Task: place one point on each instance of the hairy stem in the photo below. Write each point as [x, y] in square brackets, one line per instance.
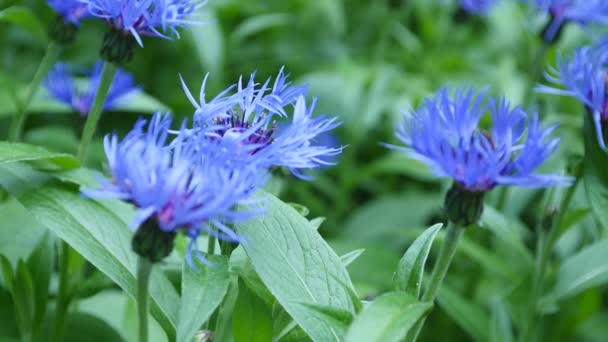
[144, 268]
[107, 75]
[63, 295]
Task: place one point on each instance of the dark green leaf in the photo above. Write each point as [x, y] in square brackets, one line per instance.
[588, 268]
[103, 239]
[24, 17]
[40, 264]
[388, 318]
[594, 173]
[252, 318]
[409, 273]
[296, 265]
[468, 315]
[203, 289]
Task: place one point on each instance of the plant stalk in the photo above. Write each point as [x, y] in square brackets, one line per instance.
[63, 295]
[444, 260]
[107, 75]
[544, 248]
[144, 268]
[15, 130]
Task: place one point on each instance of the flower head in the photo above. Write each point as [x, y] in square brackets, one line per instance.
[157, 18]
[583, 76]
[583, 12]
[71, 10]
[254, 121]
[445, 133]
[163, 181]
[64, 87]
[478, 7]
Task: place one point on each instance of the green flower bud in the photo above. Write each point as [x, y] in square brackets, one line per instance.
[117, 47]
[151, 242]
[62, 32]
[463, 207]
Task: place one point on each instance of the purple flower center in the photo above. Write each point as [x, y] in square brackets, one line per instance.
[235, 125]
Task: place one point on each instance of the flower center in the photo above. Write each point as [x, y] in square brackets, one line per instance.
[235, 126]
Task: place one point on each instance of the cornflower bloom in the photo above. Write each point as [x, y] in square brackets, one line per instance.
[71, 11]
[64, 87]
[583, 12]
[444, 133]
[172, 192]
[583, 76]
[478, 7]
[157, 18]
[250, 120]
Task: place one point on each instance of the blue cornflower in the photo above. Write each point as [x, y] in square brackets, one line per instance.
[250, 121]
[584, 77]
[170, 190]
[583, 12]
[64, 87]
[445, 133]
[158, 18]
[71, 10]
[478, 7]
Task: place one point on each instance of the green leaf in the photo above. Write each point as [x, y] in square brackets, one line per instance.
[296, 265]
[202, 292]
[18, 152]
[409, 273]
[586, 269]
[252, 318]
[594, 173]
[24, 17]
[84, 327]
[103, 238]
[19, 233]
[388, 318]
[208, 40]
[469, 316]
[500, 329]
[40, 264]
[351, 256]
[339, 319]
[254, 25]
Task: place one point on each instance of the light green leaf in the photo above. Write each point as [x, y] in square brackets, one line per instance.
[103, 238]
[594, 173]
[500, 329]
[256, 24]
[296, 265]
[202, 292]
[351, 256]
[24, 17]
[252, 318]
[19, 233]
[388, 318]
[18, 152]
[586, 269]
[208, 40]
[409, 273]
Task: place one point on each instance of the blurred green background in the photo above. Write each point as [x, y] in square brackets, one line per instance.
[366, 61]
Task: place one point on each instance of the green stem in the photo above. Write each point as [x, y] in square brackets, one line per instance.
[544, 248]
[50, 57]
[444, 260]
[107, 75]
[144, 268]
[63, 296]
[211, 244]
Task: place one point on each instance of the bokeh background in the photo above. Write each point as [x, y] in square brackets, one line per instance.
[366, 61]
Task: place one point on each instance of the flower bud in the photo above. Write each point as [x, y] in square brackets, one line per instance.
[151, 242]
[463, 207]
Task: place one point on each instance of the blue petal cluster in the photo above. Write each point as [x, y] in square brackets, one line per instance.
[445, 133]
[582, 12]
[158, 18]
[583, 76]
[252, 120]
[71, 10]
[62, 84]
[180, 187]
[478, 7]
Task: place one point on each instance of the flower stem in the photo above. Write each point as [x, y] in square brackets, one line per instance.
[63, 295]
[107, 75]
[16, 128]
[444, 260]
[544, 247]
[211, 244]
[144, 268]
